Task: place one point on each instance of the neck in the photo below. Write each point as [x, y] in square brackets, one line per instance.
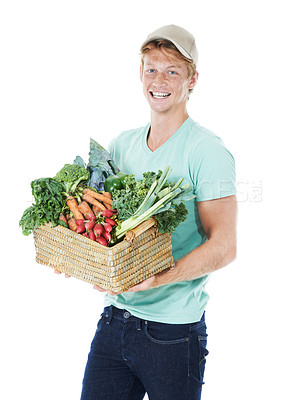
[163, 126]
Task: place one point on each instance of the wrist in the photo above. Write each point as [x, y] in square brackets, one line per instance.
[165, 277]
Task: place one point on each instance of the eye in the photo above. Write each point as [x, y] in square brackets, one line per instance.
[172, 72]
[150, 70]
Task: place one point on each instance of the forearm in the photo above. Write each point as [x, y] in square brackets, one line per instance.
[209, 257]
[218, 219]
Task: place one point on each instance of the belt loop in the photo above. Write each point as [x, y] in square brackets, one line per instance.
[110, 315]
[138, 324]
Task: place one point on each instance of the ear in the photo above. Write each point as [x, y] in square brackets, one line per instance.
[141, 73]
[193, 81]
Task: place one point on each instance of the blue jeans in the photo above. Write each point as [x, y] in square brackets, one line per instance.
[130, 357]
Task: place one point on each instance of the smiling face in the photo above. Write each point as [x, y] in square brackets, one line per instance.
[166, 81]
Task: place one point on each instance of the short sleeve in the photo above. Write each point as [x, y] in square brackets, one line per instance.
[111, 147]
[214, 174]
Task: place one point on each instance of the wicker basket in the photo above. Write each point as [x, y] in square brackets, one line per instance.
[143, 253]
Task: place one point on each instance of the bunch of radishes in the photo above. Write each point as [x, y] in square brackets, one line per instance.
[98, 228]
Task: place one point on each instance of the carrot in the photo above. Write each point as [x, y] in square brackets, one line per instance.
[85, 209]
[73, 206]
[107, 205]
[72, 224]
[93, 201]
[107, 194]
[62, 218]
[96, 210]
[98, 196]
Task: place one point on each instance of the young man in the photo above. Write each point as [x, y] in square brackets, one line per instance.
[152, 338]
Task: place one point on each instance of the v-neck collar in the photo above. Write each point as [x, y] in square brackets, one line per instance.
[173, 137]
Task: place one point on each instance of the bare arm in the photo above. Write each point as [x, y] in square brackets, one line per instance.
[218, 218]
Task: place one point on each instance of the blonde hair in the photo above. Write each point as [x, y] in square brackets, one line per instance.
[172, 52]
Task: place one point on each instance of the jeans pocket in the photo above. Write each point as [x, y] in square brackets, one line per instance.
[100, 325]
[197, 355]
[203, 352]
[101, 321]
[161, 333]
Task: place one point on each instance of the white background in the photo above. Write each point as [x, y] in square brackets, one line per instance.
[70, 71]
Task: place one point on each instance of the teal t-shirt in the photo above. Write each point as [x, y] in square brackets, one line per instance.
[200, 157]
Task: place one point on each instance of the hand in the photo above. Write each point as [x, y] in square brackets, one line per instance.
[144, 285]
[159, 279]
[59, 272]
[110, 292]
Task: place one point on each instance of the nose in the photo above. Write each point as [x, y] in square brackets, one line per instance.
[159, 80]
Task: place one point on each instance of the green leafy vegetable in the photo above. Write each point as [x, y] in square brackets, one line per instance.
[127, 200]
[79, 161]
[169, 220]
[48, 205]
[101, 165]
[153, 196]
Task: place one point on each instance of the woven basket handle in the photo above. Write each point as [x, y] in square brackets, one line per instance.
[144, 226]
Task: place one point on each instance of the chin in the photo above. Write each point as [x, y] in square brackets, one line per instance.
[159, 107]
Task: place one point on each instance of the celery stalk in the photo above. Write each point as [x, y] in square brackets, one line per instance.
[132, 222]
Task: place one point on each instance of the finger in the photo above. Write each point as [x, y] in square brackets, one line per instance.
[67, 276]
[135, 288]
[99, 288]
[112, 293]
[56, 271]
[144, 285]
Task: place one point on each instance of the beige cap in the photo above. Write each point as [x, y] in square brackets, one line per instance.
[180, 37]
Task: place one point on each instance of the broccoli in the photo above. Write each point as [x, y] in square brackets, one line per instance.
[70, 176]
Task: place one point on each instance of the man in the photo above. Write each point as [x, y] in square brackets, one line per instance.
[152, 338]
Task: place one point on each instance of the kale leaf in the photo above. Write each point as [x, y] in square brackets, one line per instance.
[127, 200]
[167, 221]
[48, 205]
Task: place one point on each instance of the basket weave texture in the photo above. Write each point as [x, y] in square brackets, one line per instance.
[116, 268]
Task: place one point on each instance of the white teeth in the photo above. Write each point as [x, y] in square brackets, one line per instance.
[160, 95]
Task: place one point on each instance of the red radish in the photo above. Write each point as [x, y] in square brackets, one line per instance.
[98, 229]
[91, 217]
[107, 213]
[80, 229]
[110, 221]
[107, 236]
[80, 222]
[85, 234]
[101, 240]
[108, 227]
[92, 235]
[89, 225]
